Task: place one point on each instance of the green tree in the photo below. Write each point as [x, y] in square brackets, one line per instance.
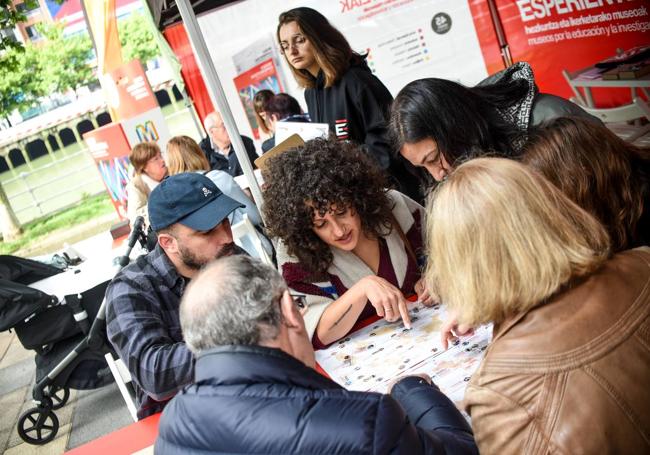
[29, 72]
[64, 60]
[12, 79]
[136, 38]
[56, 64]
[9, 17]
[20, 80]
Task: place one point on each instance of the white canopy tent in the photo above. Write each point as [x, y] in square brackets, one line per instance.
[214, 87]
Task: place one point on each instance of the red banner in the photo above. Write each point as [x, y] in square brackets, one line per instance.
[553, 35]
[177, 38]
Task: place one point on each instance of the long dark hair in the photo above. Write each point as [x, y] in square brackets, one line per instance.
[464, 122]
[259, 100]
[332, 51]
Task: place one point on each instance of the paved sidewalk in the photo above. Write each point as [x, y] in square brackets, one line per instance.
[88, 414]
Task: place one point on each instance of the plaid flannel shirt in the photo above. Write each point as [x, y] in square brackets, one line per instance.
[143, 324]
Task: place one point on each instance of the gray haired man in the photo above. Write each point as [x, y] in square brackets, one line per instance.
[256, 390]
[218, 148]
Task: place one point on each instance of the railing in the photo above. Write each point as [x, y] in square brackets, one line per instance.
[33, 196]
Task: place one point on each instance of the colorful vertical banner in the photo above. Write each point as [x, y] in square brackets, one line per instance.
[103, 25]
[110, 149]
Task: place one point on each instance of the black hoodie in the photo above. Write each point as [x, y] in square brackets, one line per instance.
[357, 108]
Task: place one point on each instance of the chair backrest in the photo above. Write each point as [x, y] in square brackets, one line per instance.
[638, 108]
[123, 379]
[246, 236]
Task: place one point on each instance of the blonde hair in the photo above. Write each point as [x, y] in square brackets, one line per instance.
[141, 154]
[185, 155]
[501, 239]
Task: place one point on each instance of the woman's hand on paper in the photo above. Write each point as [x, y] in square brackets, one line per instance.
[451, 329]
[425, 296]
[388, 301]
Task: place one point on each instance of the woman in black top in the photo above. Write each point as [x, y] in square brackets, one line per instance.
[339, 87]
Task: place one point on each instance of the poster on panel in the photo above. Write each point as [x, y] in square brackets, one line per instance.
[149, 126]
[404, 40]
[129, 92]
[262, 76]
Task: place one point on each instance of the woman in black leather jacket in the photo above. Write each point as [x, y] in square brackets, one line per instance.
[437, 124]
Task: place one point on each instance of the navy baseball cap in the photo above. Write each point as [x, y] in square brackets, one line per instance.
[190, 199]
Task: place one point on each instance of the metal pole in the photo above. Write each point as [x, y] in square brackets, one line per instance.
[215, 89]
[37, 204]
[501, 35]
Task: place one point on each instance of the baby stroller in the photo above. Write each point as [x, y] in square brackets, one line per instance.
[66, 329]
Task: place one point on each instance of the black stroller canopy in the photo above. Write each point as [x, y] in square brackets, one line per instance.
[17, 300]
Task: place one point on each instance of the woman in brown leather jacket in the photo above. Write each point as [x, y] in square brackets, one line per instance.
[569, 365]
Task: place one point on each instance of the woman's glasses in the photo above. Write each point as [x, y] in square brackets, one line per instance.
[295, 42]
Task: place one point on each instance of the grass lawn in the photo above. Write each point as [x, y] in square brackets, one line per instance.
[88, 209]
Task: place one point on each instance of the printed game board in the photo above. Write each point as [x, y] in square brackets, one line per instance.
[369, 359]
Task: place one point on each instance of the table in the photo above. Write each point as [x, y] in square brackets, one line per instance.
[591, 76]
[77, 279]
[243, 182]
[371, 358]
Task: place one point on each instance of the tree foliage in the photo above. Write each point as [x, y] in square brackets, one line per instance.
[20, 80]
[137, 39]
[9, 17]
[64, 60]
[55, 64]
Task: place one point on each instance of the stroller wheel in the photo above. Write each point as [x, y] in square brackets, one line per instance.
[59, 396]
[38, 426]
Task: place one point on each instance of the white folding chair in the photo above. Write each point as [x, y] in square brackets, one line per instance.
[124, 383]
[244, 233]
[634, 110]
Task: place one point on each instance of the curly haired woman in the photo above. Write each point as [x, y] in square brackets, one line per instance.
[346, 241]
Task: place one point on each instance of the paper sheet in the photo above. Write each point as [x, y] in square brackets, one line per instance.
[369, 359]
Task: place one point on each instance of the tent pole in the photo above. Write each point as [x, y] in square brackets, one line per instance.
[215, 89]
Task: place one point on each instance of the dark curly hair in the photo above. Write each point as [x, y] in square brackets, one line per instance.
[323, 172]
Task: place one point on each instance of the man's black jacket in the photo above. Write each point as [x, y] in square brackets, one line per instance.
[229, 164]
[251, 399]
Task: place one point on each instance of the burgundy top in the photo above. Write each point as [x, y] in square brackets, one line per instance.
[387, 272]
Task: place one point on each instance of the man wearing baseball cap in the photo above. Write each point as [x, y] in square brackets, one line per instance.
[190, 217]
